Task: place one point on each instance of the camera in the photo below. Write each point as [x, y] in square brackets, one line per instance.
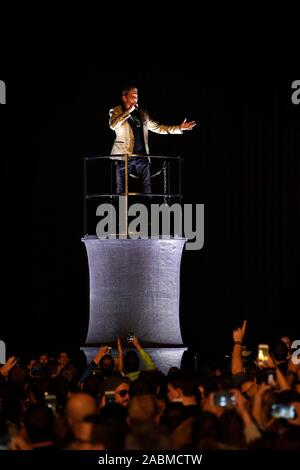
[283, 411]
[109, 397]
[223, 399]
[130, 337]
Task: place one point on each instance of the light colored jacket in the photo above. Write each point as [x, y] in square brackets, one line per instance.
[124, 141]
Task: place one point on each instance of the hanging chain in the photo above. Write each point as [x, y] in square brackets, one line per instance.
[165, 181]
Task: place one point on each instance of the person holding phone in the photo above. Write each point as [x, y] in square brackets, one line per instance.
[131, 359]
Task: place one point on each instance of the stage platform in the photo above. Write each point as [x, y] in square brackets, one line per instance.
[134, 286]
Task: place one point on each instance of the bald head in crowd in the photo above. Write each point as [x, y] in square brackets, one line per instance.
[79, 406]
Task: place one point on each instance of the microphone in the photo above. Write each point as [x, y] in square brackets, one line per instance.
[134, 107]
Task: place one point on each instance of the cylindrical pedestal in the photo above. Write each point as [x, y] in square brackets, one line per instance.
[134, 286]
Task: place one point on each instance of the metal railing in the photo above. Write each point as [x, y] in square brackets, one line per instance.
[167, 195]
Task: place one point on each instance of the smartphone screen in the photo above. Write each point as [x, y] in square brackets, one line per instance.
[224, 399]
[269, 376]
[263, 354]
[130, 337]
[283, 411]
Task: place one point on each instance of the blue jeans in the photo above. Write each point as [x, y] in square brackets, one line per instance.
[141, 166]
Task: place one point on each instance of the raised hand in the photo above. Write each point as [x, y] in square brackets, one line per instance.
[119, 361]
[187, 126]
[262, 389]
[239, 333]
[102, 351]
[270, 362]
[136, 343]
[10, 363]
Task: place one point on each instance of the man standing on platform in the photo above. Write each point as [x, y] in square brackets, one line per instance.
[131, 125]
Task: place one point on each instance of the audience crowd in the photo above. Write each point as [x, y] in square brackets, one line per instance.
[249, 400]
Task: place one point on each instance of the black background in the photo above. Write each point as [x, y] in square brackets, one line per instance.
[242, 161]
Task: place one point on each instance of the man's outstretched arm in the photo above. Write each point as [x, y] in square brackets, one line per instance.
[165, 129]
